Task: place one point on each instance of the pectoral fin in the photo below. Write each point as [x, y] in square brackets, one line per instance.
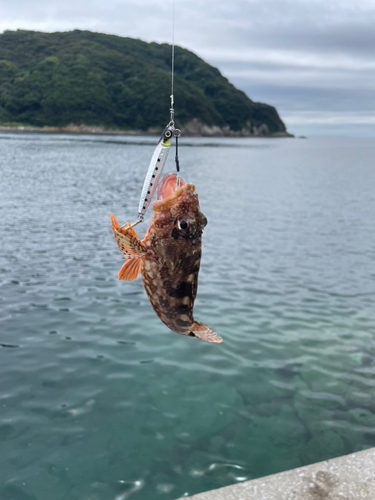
[130, 270]
[204, 333]
[127, 239]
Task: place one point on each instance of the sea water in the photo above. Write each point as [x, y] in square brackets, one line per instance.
[100, 401]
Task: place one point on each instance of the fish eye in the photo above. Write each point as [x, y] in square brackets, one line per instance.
[183, 225]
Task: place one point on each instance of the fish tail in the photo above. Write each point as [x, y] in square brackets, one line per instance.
[203, 332]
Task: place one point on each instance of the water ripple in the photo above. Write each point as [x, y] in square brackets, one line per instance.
[101, 400]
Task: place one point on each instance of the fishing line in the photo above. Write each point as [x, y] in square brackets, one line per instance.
[172, 85]
[161, 152]
[176, 158]
[176, 131]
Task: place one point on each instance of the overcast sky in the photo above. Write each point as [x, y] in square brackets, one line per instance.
[312, 59]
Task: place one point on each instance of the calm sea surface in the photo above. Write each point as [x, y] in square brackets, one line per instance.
[100, 401]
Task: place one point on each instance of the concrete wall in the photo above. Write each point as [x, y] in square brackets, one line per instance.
[351, 477]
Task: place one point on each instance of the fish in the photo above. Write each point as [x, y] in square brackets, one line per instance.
[169, 256]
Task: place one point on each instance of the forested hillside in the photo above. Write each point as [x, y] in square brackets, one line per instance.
[90, 78]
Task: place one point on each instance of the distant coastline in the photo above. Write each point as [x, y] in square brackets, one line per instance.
[192, 129]
[93, 83]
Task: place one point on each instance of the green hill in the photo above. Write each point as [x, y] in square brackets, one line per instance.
[81, 77]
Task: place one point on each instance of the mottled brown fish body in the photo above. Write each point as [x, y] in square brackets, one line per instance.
[170, 270]
[169, 260]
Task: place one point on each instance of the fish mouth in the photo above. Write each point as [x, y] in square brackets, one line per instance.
[169, 192]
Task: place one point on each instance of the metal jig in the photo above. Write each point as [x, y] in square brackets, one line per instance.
[160, 155]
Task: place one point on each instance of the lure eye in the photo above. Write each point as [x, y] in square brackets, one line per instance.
[183, 225]
[168, 134]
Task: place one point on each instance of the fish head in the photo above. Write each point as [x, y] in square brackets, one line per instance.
[178, 223]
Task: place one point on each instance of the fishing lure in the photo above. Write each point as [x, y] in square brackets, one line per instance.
[155, 170]
[160, 155]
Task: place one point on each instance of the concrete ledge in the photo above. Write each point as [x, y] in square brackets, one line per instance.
[351, 477]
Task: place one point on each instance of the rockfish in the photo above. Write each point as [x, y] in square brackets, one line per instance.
[169, 257]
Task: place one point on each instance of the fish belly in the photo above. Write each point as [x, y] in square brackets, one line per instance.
[171, 300]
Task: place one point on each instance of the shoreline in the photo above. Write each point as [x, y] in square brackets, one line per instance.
[192, 129]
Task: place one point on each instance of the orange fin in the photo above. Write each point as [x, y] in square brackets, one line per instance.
[128, 240]
[130, 270]
[204, 333]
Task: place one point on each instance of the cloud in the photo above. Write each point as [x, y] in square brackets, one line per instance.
[305, 56]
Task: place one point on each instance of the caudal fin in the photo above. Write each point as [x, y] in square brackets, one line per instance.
[204, 333]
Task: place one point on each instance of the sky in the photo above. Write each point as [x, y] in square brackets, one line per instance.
[314, 60]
